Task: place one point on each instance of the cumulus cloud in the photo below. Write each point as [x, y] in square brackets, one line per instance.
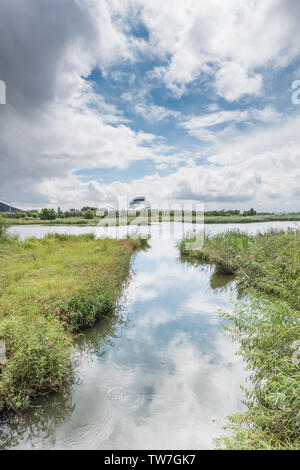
[205, 126]
[155, 113]
[259, 169]
[57, 121]
[233, 81]
[227, 42]
[54, 124]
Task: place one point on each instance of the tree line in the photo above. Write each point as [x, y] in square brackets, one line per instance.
[87, 212]
[52, 214]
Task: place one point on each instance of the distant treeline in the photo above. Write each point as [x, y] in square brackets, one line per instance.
[91, 213]
[51, 214]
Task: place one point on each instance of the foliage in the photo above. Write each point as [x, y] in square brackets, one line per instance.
[48, 214]
[2, 229]
[89, 214]
[267, 270]
[80, 217]
[268, 261]
[250, 213]
[267, 330]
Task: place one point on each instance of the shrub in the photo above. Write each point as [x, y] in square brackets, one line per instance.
[48, 214]
[38, 355]
[88, 214]
[267, 330]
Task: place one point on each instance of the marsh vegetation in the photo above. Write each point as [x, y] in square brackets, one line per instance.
[88, 216]
[49, 290]
[266, 323]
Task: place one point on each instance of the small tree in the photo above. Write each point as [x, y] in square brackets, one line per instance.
[89, 214]
[250, 212]
[48, 214]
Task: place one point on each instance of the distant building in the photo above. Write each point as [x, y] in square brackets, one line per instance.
[139, 204]
[5, 207]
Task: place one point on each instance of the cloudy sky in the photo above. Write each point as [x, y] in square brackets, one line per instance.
[175, 100]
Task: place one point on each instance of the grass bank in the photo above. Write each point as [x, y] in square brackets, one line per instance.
[252, 219]
[229, 219]
[49, 290]
[267, 325]
[67, 221]
[78, 221]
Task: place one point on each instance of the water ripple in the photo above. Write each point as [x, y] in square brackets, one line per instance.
[124, 397]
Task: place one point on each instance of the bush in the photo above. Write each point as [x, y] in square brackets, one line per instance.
[267, 330]
[38, 354]
[89, 214]
[48, 214]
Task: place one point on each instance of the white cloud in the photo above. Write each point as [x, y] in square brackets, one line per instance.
[258, 169]
[213, 119]
[201, 126]
[154, 113]
[233, 81]
[54, 124]
[224, 41]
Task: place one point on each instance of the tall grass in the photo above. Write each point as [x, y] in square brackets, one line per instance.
[142, 220]
[49, 290]
[267, 261]
[267, 270]
[267, 329]
[3, 229]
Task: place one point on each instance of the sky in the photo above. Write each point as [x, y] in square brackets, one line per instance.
[178, 101]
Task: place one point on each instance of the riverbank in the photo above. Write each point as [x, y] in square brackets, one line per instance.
[266, 323]
[49, 290]
[240, 219]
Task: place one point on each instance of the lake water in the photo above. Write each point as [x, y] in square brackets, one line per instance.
[159, 374]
